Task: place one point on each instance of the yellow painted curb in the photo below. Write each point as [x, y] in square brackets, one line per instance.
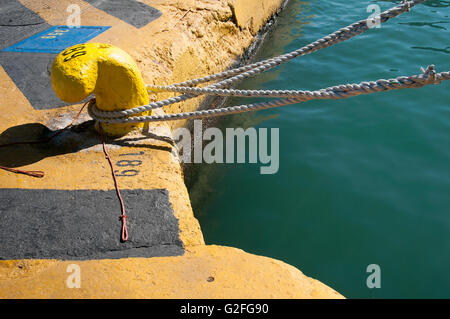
[203, 272]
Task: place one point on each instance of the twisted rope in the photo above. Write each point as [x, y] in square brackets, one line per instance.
[347, 89]
[429, 76]
[238, 74]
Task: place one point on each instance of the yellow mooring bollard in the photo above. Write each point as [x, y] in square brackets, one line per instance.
[105, 70]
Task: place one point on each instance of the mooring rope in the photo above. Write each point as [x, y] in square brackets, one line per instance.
[292, 97]
[334, 92]
[251, 70]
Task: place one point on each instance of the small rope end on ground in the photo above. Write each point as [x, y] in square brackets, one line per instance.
[123, 217]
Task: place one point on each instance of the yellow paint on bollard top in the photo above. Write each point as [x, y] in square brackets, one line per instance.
[106, 71]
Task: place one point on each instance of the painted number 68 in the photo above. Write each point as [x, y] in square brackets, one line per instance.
[73, 53]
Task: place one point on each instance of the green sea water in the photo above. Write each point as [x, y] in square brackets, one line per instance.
[361, 181]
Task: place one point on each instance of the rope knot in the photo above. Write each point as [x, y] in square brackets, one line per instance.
[124, 231]
[407, 4]
[430, 74]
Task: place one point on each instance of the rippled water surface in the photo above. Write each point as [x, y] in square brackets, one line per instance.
[362, 181]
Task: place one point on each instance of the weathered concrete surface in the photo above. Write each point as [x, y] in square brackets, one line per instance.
[191, 38]
[203, 272]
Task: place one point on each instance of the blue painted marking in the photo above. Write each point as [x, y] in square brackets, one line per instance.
[56, 39]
